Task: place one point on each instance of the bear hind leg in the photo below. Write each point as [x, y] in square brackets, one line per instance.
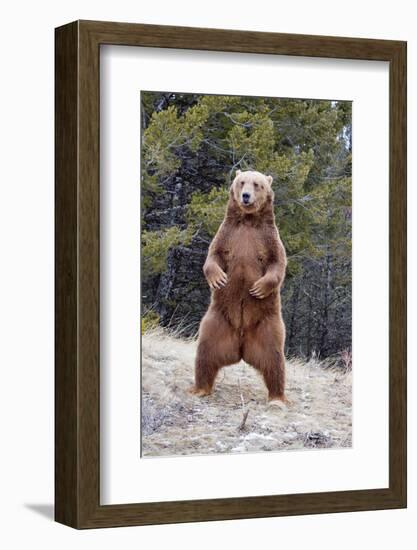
[218, 346]
[273, 373]
[264, 350]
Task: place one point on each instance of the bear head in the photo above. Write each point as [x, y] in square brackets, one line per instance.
[251, 190]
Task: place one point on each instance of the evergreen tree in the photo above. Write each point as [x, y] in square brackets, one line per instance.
[191, 147]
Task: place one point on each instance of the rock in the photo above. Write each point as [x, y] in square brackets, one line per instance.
[317, 440]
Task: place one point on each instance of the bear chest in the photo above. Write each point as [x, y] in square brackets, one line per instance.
[245, 248]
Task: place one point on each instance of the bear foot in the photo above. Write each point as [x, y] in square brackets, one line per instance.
[281, 399]
[199, 392]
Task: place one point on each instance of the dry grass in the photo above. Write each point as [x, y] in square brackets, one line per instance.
[177, 423]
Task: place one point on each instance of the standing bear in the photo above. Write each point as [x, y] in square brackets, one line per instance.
[245, 268]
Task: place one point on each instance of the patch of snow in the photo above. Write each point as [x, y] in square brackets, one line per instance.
[253, 435]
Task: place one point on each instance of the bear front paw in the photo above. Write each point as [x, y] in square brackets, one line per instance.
[261, 289]
[216, 277]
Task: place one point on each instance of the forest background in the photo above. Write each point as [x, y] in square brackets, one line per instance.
[191, 147]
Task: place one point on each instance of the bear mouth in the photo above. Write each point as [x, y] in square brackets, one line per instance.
[248, 206]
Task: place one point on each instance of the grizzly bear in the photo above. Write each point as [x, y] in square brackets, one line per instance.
[245, 268]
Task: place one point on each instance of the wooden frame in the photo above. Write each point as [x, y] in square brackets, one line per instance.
[77, 406]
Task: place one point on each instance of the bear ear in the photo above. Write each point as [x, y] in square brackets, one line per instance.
[238, 172]
[270, 179]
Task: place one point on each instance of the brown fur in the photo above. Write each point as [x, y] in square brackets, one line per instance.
[245, 268]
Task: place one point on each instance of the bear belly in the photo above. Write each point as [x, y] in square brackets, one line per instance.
[241, 309]
[243, 275]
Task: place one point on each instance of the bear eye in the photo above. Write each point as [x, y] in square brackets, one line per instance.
[242, 183]
[256, 185]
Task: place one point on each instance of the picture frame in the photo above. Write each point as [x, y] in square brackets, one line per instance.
[77, 272]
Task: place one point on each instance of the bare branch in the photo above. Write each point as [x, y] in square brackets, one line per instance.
[245, 412]
[242, 424]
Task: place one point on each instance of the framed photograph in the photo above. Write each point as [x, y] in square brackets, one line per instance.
[230, 274]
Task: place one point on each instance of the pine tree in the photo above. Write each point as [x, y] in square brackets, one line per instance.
[191, 147]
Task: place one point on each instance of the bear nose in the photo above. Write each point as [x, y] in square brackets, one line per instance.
[245, 197]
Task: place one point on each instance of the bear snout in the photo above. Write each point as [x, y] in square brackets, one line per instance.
[246, 198]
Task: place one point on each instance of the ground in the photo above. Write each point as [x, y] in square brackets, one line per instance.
[237, 417]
